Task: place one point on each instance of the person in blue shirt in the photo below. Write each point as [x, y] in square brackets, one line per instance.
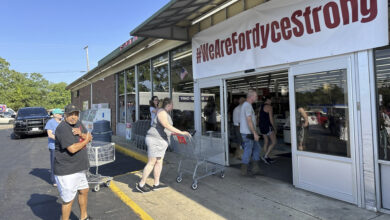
[50, 127]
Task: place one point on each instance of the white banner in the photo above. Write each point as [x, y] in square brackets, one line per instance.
[281, 31]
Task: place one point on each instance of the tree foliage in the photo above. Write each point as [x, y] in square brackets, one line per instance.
[19, 90]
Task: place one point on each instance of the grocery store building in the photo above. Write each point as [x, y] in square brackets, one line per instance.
[330, 58]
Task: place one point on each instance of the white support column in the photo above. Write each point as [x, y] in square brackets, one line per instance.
[197, 108]
[366, 103]
[136, 93]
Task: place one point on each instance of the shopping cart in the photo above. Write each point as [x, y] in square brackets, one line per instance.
[195, 158]
[99, 153]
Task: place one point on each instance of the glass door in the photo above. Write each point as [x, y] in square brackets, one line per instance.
[382, 78]
[322, 147]
[211, 127]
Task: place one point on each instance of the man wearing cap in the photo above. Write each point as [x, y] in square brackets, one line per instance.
[71, 162]
[50, 128]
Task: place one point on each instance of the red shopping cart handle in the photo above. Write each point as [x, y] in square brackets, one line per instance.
[180, 138]
[192, 133]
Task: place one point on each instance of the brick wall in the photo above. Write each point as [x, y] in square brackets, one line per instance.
[103, 92]
[84, 95]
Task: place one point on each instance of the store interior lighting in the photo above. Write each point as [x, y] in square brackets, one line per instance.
[165, 61]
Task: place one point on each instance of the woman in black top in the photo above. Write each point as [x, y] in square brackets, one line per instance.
[267, 128]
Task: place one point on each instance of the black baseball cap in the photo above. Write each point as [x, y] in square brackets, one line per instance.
[71, 108]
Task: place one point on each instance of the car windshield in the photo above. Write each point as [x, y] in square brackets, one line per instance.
[32, 112]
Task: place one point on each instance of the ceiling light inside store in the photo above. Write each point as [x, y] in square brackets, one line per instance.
[223, 6]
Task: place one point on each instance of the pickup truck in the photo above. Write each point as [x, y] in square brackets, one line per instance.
[30, 120]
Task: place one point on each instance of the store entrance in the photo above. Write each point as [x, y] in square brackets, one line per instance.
[275, 86]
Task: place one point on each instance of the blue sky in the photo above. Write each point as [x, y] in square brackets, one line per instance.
[48, 37]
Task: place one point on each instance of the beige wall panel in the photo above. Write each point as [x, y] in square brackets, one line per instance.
[219, 16]
[192, 30]
[253, 3]
[235, 9]
[206, 23]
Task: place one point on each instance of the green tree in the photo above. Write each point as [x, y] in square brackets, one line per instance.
[26, 90]
[58, 96]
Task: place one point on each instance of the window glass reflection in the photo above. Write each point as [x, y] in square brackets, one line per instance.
[322, 113]
[160, 77]
[211, 111]
[182, 88]
[121, 98]
[130, 105]
[145, 90]
[382, 73]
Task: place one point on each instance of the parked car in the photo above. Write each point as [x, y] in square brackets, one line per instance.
[322, 119]
[6, 118]
[313, 120]
[11, 112]
[30, 120]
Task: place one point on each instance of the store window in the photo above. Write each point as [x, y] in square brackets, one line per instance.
[382, 74]
[130, 87]
[182, 88]
[145, 90]
[211, 111]
[322, 113]
[160, 76]
[121, 98]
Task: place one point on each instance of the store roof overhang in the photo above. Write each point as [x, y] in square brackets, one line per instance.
[123, 52]
[164, 23]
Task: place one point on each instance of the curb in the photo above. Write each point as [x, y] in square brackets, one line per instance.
[115, 189]
[137, 210]
[131, 153]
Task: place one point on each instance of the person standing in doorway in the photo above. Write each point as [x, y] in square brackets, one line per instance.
[122, 110]
[267, 129]
[249, 135]
[50, 128]
[157, 140]
[302, 127]
[211, 114]
[153, 108]
[71, 162]
[130, 114]
[236, 124]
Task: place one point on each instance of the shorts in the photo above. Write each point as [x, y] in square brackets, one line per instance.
[68, 185]
[156, 146]
[266, 131]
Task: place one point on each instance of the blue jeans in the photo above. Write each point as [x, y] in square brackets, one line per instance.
[52, 166]
[251, 148]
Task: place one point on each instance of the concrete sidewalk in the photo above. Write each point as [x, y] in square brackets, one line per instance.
[234, 197]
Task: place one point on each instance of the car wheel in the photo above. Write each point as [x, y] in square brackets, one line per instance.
[15, 136]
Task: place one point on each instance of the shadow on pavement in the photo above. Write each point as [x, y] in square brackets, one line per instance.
[122, 165]
[46, 207]
[42, 173]
[280, 170]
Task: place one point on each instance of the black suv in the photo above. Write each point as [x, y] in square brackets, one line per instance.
[30, 120]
